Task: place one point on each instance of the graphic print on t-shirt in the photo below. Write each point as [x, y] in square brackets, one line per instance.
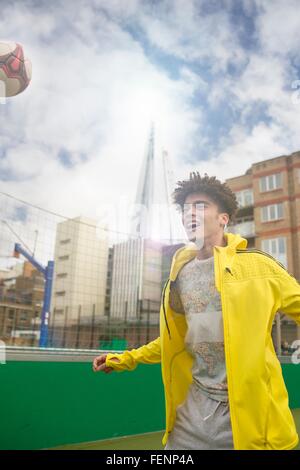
[195, 295]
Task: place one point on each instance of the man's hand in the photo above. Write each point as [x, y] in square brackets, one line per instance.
[99, 364]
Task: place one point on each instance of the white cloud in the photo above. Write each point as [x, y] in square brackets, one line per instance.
[95, 89]
[278, 26]
[93, 93]
[179, 28]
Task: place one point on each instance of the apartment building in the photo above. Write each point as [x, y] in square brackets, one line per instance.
[269, 217]
[80, 272]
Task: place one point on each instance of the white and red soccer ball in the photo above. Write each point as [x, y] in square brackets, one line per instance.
[15, 69]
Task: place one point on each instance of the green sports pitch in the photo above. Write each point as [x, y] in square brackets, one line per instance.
[148, 441]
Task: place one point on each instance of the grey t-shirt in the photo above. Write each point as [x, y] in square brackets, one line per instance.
[195, 295]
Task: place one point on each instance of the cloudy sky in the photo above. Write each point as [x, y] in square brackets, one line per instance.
[218, 78]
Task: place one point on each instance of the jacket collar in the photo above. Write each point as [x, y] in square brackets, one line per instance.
[189, 251]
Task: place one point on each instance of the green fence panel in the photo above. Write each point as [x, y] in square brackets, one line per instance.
[47, 404]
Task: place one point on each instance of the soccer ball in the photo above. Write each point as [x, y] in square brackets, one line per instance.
[15, 70]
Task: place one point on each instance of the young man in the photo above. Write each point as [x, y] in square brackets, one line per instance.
[223, 382]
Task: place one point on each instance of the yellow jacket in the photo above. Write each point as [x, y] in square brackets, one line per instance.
[253, 286]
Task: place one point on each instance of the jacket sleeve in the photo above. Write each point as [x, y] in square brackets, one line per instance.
[128, 360]
[290, 296]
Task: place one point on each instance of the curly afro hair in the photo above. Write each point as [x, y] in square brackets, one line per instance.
[218, 192]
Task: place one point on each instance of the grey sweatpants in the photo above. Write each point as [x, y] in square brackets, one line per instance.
[201, 423]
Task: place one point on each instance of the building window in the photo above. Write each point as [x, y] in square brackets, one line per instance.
[245, 197]
[60, 293]
[64, 242]
[272, 212]
[23, 316]
[277, 248]
[270, 182]
[63, 258]
[62, 275]
[11, 314]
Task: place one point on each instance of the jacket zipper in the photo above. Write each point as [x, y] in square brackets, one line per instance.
[171, 364]
[163, 302]
[226, 352]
